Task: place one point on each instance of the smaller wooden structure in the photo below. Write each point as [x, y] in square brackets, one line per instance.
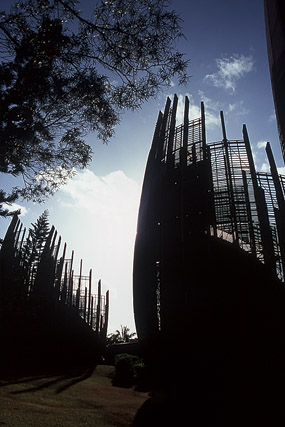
[48, 305]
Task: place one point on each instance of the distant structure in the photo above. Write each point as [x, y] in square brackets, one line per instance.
[48, 307]
[210, 229]
[275, 35]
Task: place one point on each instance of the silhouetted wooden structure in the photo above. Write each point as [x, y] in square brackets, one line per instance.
[209, 267]
[274, 11]
[48, 302]
[194, 190]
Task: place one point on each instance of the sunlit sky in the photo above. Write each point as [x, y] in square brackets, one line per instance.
[96, 212]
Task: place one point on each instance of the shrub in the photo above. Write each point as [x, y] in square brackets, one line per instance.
[128, 370]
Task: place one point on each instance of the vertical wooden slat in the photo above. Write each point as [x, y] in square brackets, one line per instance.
[172, 130]
[98, 309]
[85, 305]
[89, 296]
[262, 211]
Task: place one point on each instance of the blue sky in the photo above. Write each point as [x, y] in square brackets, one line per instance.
[96, 212]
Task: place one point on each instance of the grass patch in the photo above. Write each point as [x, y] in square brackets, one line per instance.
[83, 398]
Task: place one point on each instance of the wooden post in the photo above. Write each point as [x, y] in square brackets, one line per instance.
[262, 211]
[89, 296]
[53, 242]
[92, 310]
[249, 216]
[70, 289]
[17, 237]
[79, 287]
[85, 304]
[172, 131]
[22, 240]
[186, 124]
[71, 262]
[107, 311]
[280, 212]
[161, 147]
[230, 183]
[98, 311]
[106, 317]
[59, 273]
[203, 131]
[64, 286]
[57, 248]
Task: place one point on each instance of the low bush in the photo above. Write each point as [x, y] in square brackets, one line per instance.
[129, 371]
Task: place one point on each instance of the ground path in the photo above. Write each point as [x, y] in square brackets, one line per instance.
[81, 399]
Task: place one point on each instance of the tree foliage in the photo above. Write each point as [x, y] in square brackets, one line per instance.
[34, 245]
[65, 73]
[6, 200]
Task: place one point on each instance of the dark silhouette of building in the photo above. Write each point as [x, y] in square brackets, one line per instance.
[275, 35]
[208, 274]
[197, 192]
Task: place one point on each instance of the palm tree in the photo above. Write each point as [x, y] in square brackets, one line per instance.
[122, 336]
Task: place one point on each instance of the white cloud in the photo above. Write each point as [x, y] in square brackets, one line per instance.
[272, 117]
[99, 221]
[232, 107]
[237, 108]
[15, 207]
[265, 167]
[107, 196]
[259, 156]
[261, 144]
[281, 170]
[194, 112]
[230, 70]
[211, 109]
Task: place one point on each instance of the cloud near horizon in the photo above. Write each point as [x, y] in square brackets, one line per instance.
[230, 70]
[100, 217]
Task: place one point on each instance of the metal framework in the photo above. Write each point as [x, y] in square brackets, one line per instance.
[196, 193]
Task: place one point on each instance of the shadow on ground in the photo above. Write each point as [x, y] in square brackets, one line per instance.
[50, 379]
